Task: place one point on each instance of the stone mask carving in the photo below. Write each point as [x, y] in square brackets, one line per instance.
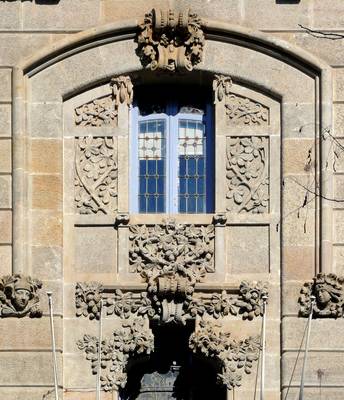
[328, 292]
[18, 296]
[170, 41]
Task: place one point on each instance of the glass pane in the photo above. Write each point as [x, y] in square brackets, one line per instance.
[192, 161]
[152, 155]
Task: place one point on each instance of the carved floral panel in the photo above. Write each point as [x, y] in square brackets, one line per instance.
[96, 174]
[247, 173]
[244, 111]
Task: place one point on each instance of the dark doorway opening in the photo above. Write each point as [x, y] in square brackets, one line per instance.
[173, 371]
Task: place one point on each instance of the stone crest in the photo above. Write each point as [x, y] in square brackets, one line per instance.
[19, 296]
[170, 40]
[329, 296]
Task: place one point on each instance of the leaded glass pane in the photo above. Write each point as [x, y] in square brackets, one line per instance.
[152, 174]
[192, 166]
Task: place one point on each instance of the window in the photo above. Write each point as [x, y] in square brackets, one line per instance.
[172, 158]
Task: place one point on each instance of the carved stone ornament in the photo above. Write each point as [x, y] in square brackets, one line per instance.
[170, 40]
[171, 298]
[96, 175]
[235, 357]
[19, 296]
[239, 110]
[132, 338]
[247, 174]
[104, 110]
[329, 296]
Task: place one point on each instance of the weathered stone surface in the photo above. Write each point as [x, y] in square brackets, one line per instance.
[248, 249]
[338, 260]
[5, 155]
[6, 260]
[47, 262]
[5, 191]
[5, 84]
[46, 156]
[46, 229]
[338, 81]
[326, 14]
[61, 16]
[338, 221]
[47, 192]
[338, 116]
[10, 15]
[5, 119]
[6, 226]
[46, 120]
[298, 262]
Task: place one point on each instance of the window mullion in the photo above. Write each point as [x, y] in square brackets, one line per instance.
[173, 201]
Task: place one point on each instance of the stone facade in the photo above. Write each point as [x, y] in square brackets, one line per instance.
[273, 72]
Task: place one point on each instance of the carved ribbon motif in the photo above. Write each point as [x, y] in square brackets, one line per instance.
[95, 175]
[170, 41]
[104, 110]
[19, 296]
[233, 356]
[329, 296]
[247, 174]
[132, 338]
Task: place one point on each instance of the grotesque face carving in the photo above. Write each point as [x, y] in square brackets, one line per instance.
[323, 295]
[21, 298]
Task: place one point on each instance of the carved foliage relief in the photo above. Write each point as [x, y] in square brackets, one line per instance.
[243, 111]
[104, 110]
[328, 291]
[95, 175]
[170, 40]
[130, 339]
[247, 174]
[19, 296]
[235, 357]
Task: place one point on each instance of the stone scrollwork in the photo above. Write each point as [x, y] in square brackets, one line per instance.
[170, 40]
[104, 110]
[132, 338]
[235, 357]
[222, 87]
[170, 247]
[328, 291]
[96, 174]
[247, 174]
[19, 296]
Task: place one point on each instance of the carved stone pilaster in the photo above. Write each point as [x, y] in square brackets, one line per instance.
[104, 110]
[328, 291]
[170, 40]
[131, 339]
[234, 357]
[19, 296]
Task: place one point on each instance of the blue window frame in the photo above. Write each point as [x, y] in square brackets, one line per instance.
[172, 160]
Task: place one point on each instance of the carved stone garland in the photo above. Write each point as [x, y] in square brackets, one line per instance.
[19, 296]
[247, 174]
[104, 110]
[170, 41]
[131, 339]
[96, 175]
[328, 290]
[210, 341]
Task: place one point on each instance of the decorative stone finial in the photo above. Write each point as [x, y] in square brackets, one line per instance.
[170, 41]
[19, 297]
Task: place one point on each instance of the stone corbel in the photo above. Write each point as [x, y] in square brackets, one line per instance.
[234, 357]
[19, 296]
[170, 41]
[107, 110]
[328, 291]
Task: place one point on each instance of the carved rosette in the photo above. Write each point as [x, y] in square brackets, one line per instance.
[104, 110]
[170, 41]
[247, 174]
[171, 297]
[96, 175]
[328, 291]
[19, 296]
[131, 339]
[234, 357]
